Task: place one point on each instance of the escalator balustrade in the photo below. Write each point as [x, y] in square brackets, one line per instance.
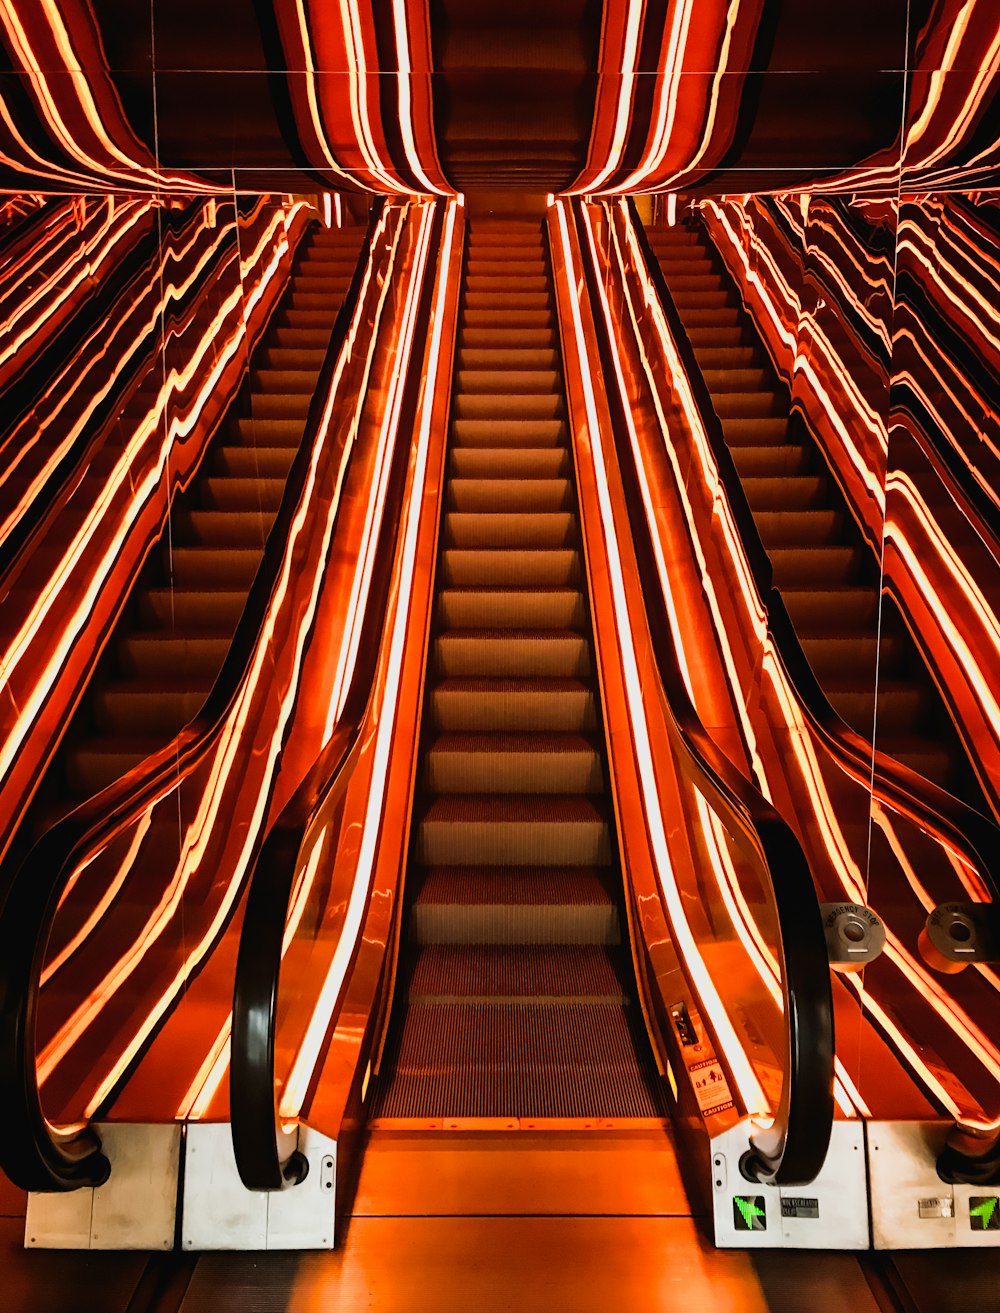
[827, 573]
[173, 635]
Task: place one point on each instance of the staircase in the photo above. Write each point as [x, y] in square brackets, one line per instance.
[516, 997]
[825, 569]
[172, 638]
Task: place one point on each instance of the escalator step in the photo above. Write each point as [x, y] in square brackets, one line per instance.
[503, 406]
[256, 462]
[544, 705]
[508, 496]
[148, 707]
[491, 974]
[515, 360]
[190, 608]
[510, 463]
[222, 528]
[808, 528]
[727, 358]
[517, 1061]
[280, 405]
[93, 766]
[514, 830]
[270, 431]
[506, 339]
[481, 905]
[226, 493]
[509, 432]
[511, 608]
[762, 404]
[155, 655]
[812, 608]
[534, 529]
[770, 462]
[498, 763]
[207, 567]
[510, 653]
[496, 567]
[817, 567]
[494, 382]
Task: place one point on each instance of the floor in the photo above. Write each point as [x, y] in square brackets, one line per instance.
[578, 1223]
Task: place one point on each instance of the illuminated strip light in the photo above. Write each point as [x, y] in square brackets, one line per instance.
[860, 407]
[959, 293]
[62, 282]
[366, 557]
[673, 76]
[986, 67]
[403, 73]
[309, 69]
[29, 61]
[741, 918]
[330, 991]
[96, 396]
[751, 1091]
[859, 306]
[120, 477]
[359, 78]
[61, 227]
[720, 507]
[964, 583]
[107, 898]
[191, 859]
[44, 169]
[919, 388]
[669, 87]
[626, 93]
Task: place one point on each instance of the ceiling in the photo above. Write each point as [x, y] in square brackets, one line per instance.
[431, 96]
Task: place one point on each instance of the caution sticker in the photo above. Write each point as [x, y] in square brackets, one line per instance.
[711, 1088]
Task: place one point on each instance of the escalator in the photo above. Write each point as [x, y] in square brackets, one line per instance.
[516, 997]
[827, 572]
[172, 638]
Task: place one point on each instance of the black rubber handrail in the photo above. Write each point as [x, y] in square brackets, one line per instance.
[252, 1085]
[32, 1154]
[133, 270]
[944, 816]
[939, 813]
[793, 1149]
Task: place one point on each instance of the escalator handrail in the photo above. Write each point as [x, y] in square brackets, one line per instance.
[31, 1153]
[794, 1148]
[252, 1084]
[946, 818]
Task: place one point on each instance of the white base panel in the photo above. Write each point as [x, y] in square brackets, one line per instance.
[912, 1208]
[829, 1213]
[135, 1209]
[221, 1213]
